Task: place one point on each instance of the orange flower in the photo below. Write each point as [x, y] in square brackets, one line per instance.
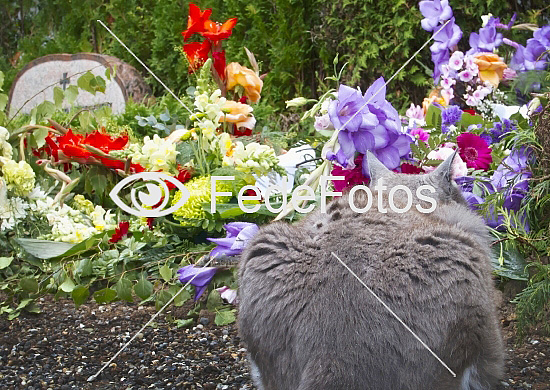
[197, 54]
[247, 78]
[217, 32]
[491, 67]
[238, 113]
[434, 96]
[195, 21]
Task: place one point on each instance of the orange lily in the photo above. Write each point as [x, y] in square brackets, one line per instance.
[196, 21]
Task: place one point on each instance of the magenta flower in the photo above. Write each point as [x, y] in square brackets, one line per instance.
[434, 12]
[474, 151]
[419, 133]
[199, 277]
[238, 236]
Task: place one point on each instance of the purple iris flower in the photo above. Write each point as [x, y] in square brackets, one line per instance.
[447, 38]
[488, 38]
[399, 146]
[200, 277]
[543, 35]
[434, 12]
[534, 55]
[451, 115]
[238, 236]
[349, 111]
[439, 59]
[513, 172]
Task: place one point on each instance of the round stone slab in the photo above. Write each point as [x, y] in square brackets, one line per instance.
[36, 81]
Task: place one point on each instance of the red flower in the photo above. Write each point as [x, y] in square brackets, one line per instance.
[410, 169]
[195, 21]
[150, 222]
[241, 131]
[470, 111]
[197, 54]
[352, 177]
[120, 232]
[219, 63]
[474, 151]
[217, 32]
[183, 177]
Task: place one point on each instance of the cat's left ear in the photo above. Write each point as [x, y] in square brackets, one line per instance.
[444, 170]
[376, 169]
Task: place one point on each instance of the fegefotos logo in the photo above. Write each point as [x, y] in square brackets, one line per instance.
[152, 202]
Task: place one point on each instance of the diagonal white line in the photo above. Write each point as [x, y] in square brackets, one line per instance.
[395, 315]
[91, 378]
[145, 66]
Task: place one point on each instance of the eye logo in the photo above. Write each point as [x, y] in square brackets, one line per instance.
[152, 197]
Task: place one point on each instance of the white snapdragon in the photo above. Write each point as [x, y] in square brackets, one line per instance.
[157, 154]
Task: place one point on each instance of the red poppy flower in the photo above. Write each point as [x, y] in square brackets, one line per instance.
[195, 21]
[410, 169]
[219, 63]
[197, 54]
[120, 232]
[474, 151]
[217, 32]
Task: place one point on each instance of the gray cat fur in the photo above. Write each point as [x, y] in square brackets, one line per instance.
[309, 324]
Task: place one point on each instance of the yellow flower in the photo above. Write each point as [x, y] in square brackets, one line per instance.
[200, 191]
[247, 78]
[238, 113]
[434, 96]
[491, 67]
[83, 204]
[19, 176]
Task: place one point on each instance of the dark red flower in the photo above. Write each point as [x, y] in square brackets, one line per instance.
[474, 151]
[242, 131]
[470, 111]
[183, 176]
[243, 99]
[411, 169]
[196, 21]
[219, 63]
[150, 222]
[352, 177]
[217, 32]
[120, 232]
[197, 54]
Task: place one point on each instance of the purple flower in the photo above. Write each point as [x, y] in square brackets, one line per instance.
[349, 112]
[543, 35]
[447, 38]
[513, 172]
[451, 115]
[534, 55]
[199, 277]
[238, 235]
[488, 38]
[434, 12]
[439, 59]
[398, 147]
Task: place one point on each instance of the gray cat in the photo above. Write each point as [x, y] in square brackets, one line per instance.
[309, 324]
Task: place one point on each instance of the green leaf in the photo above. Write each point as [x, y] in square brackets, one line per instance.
[468, 120]
[45, 110]
[162, 298]
[58, 96]
[1, 80]
[40, 136]
[166, 273]
[80, 294]
[84, 246]
[3, 101]
[71, 93]
[225, 317]
[83, 82]
[105, 295]
[182, 297]
[99, 183]
[143, 288]
[511, 265]
[29, 285]
[84, 267]
[184, 323]
[5, 262]
[23, 303]
[214, 300]
[32, 308]
[433, 117]
[44, 249]
[124, 289]
[68, 285]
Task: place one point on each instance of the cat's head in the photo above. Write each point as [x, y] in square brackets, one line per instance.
[446, 190]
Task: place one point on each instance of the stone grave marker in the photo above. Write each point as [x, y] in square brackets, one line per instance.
[36, 81]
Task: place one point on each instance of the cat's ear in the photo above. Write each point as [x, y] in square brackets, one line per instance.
[376, 168]
[444, 170]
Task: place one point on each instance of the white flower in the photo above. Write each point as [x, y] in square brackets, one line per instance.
[157, 154]
[457, 60]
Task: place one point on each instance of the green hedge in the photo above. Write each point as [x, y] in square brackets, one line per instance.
[295, 41]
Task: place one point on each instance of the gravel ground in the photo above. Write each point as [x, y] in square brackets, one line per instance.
[61, 347]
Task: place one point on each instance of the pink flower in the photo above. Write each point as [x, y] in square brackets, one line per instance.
[457, 60]
[459, 167]
[420, 132]
[509, 74]
[415, 112]
[474, 150]
[466, 75]
[228, 294]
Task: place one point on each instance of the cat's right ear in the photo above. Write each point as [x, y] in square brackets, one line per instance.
[375, 168]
